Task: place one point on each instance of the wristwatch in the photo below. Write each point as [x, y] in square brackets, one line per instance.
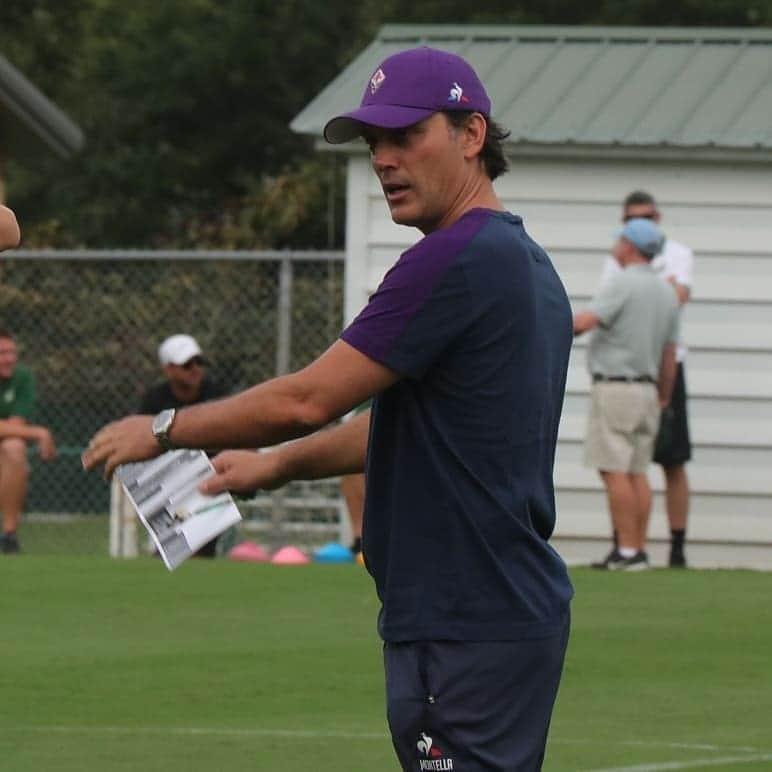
[162, 425]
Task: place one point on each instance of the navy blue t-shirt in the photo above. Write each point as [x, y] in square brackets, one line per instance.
[460, 501]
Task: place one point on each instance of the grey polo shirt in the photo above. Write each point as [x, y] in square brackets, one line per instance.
[638, 315]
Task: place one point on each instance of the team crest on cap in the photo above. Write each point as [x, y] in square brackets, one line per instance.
[457, 94]
[377, 80]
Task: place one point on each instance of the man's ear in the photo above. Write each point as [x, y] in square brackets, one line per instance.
[475, 130]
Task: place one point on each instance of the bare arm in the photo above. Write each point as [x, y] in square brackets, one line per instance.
[288, 407]
[683, 293]
[273, 412]
[331, 452]
[584, 321]
[667, 374]
[10, 235]
[18, 427]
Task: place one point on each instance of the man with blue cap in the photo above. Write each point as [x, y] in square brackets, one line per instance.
[672, 448]
[631, 359]
[464, 349]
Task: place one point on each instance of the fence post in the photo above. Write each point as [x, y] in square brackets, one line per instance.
[123, 524]
[284, 318]
[283, 359]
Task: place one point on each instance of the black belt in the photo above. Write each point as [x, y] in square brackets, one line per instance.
[622, 378]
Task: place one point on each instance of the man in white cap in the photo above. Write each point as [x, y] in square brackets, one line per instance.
[186, 381]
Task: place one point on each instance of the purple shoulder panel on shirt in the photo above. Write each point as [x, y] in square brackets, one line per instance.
[407, 285]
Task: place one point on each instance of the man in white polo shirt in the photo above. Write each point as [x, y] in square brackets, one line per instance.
[675, 264]
[631, 359]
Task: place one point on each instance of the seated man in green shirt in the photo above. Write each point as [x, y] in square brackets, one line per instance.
[17, 402]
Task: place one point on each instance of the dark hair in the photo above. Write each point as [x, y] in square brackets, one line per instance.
[492, 155]
[639, 198]
[5, 332]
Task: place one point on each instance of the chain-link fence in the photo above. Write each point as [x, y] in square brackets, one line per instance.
[89, 323]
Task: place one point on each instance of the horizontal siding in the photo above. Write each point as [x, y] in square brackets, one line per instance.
[710, 374]
[722, 277]
[714, 518]
[731, 423]
[725, 214]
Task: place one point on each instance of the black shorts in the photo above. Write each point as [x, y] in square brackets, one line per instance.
[471, 706]
[673, 446]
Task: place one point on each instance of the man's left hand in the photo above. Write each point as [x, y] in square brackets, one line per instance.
[130, 439]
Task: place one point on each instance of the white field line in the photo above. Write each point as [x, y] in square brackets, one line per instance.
[659, 744]
[694, 763]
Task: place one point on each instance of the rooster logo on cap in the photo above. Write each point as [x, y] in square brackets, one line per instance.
[457, 94]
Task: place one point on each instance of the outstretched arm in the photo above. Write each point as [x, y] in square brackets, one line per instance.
[328, 453]
[585, 320]
[10, 235]
[282, 409]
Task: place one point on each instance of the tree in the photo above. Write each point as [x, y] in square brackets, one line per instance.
[186, 105]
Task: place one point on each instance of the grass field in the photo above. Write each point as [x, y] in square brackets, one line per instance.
[110, 665]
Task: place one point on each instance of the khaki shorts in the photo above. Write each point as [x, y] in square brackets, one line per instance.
[623, 423]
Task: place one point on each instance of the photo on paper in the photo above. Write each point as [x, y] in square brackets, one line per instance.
[179, 518]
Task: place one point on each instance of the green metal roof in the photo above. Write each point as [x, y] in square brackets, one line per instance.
[24, 109]
[595, 86]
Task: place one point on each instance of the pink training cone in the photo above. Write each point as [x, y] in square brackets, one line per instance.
[249, 551]
[290, 556]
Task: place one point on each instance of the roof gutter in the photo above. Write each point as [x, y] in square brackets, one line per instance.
[40, 114]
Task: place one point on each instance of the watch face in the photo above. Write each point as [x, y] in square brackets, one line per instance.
[162, 422]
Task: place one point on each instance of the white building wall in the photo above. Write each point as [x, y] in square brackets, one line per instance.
[724, 213]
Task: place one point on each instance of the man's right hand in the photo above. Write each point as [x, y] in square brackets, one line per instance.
[242, 471]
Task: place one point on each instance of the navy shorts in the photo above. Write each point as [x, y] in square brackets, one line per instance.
[673, 446]
[472, 706]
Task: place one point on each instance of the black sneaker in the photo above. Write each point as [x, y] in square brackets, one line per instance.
[10, 544]
[638, 562]
[609, 561]
[677, 559]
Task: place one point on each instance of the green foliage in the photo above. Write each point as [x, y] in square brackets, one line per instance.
[186, 105]
[717, 13]
[276, 211]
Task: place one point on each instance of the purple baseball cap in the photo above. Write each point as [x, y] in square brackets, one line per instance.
[407, 88]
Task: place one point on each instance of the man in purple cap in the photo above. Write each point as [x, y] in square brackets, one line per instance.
[464, 348]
